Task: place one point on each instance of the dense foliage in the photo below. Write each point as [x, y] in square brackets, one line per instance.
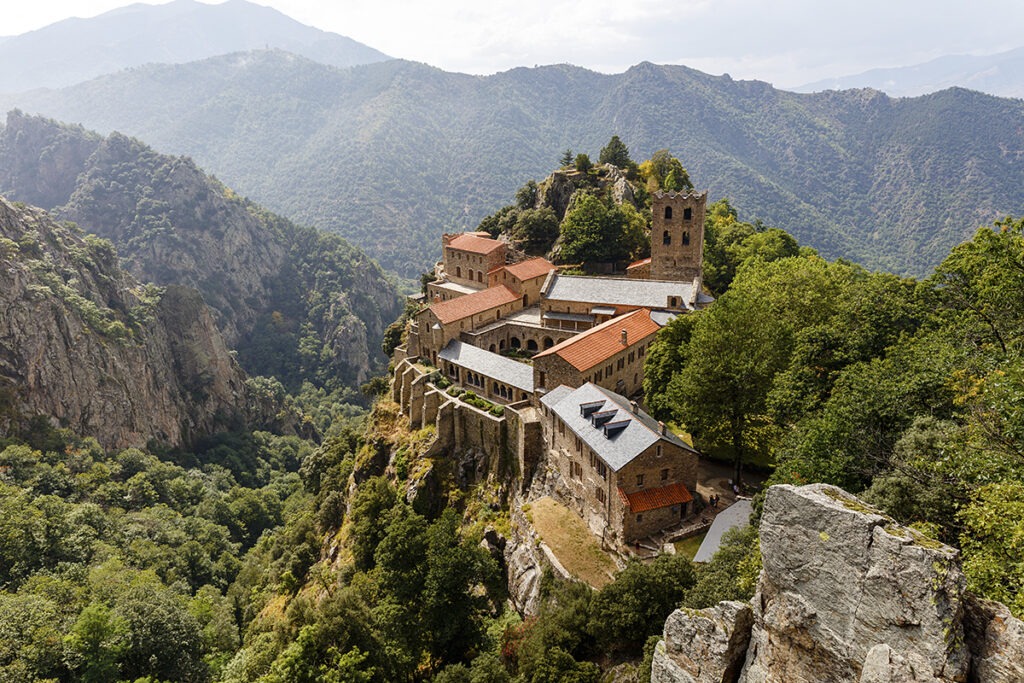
[905, 392]
[119, 566]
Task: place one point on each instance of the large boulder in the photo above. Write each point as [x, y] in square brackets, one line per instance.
[996, 641]
[839, 579]
[703, 646]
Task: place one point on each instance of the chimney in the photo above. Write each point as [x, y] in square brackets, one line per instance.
[661, 426]
[634, 406]
[625, 338]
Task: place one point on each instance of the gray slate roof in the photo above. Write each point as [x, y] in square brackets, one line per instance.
[736, 515]
[620, 446]
[616, 291]
[513, 373]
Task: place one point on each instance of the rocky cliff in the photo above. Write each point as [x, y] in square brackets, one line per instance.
[296, 303]
[89, 347]
[846, 594]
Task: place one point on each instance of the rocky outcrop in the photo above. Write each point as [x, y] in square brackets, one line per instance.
[557, 189]
[846, 594]
[703, 646]
[296, 303]
[88, 347]
[996, 640]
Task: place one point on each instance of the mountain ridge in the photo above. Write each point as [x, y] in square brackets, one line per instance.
[77, 49]
[889, 183]
[295, 303]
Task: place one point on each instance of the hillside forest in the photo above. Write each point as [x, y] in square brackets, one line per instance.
[357, 554]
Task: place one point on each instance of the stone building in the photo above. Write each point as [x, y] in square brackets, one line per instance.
[610, 355]
[579, 303]
[677, 236]
[468, 257]
[441, 322]
[487, 374]
[625, 473]
[526, 277]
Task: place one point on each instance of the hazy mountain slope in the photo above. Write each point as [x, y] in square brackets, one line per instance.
[295, 302]
[392, 154]
[1000, 74]
[87, 346]
[75, 50]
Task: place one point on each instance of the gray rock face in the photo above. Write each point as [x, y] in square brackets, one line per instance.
[840, 579]
[846, 594]
[84, 344]
[996, 641]
[703, 646]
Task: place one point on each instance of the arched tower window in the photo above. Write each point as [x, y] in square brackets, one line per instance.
[666, 238]
[668, 213]
[458, 271]
[686, 237]
[687, 214]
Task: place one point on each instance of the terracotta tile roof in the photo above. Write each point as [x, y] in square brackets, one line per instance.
[641, 262]
[652, 499]
[471, 304]
[472, 242]
[527, 270]
[600, 343]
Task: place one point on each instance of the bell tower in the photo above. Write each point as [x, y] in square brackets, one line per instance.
[677, 236]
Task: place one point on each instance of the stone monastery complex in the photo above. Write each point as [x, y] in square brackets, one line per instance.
[558, 360]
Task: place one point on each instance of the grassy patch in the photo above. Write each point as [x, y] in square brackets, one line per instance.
[688, 546]
[569, 538]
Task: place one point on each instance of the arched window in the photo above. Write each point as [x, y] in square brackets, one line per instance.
[668, 213]
[666, 238]
[491, 349]
[687, 214]
[531, 345]
[480, 276]
[548, 342]
[458, 271]
[686, 238]
[470, 273]
[501, 344]
[514, 342]
[526, 300]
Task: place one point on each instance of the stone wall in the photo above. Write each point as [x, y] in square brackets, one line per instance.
[509, 334]
[677, 236]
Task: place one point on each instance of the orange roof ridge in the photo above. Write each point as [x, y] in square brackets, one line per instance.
[471, 304]
[599, 343]
[531, 268]
[652, 499]
[468, 241]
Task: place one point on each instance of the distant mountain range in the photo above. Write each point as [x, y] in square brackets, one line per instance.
[75, 50]
[999, 74]
[391, 154]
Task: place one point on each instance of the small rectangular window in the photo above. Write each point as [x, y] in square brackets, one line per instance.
[639, 518]
[664, 474]
[639, 480]
[687, 214]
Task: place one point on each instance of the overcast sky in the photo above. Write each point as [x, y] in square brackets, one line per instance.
[785, 42]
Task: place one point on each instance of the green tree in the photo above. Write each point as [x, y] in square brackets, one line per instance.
[566, 159]
[615, 153]
[95, 644]
[636, 604]
[583, 163]
[993, 544]
[665, 172]
[593, 231]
